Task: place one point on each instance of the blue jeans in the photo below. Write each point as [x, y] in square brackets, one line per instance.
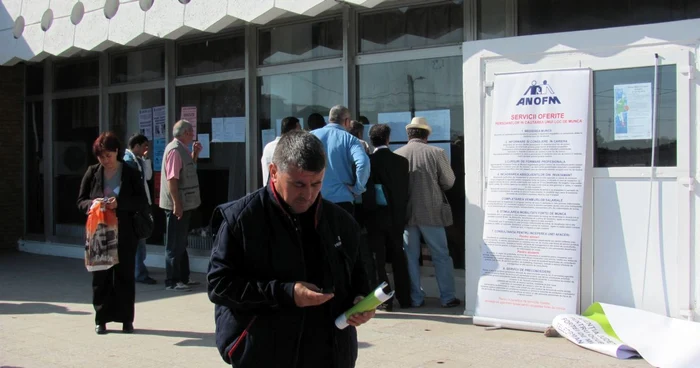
[177, 261]
[140, 271]
[436, 239]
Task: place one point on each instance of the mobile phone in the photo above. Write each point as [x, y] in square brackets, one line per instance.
[327, 290]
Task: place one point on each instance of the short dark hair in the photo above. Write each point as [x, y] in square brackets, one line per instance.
[136, 140]
[379, 134]
[356, 129]
[363, 119]
[316, 121]
[417, 133]
[299, 149]
[289, 123]
[106, 142]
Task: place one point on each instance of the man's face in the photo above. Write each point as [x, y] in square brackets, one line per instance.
[298, 188]
[140, 149]
[187, 137]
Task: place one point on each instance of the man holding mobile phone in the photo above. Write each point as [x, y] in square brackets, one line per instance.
[284, 266]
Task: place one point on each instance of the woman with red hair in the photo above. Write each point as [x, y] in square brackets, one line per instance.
[121, 189]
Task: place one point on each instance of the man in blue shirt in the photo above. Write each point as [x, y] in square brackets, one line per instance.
[347, 164]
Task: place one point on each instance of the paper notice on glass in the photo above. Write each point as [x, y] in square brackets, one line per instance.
[445, 147]
[146, 123]
[439, 121]
[189, 113]
[204, 140]
[158, 152]
[159, 122]
[278, 125]
[397, 121]
[633, 111]
[228, 130]
[268, 135]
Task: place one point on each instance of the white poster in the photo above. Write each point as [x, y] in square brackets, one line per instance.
[146, 123]
[228, 130]
[633, 111]
[439, 121]
[397, 121]
[534, 202]
[204, 140]
[159, 122]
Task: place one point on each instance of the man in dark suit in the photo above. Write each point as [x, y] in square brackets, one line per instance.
[386, 214]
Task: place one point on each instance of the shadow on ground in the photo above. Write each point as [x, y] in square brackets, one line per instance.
[205, 339]
[37, 308]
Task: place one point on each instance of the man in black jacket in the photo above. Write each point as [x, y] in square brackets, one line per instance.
[385, 221]
[284, 266]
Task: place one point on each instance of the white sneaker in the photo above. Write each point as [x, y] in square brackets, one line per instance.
[178, 287]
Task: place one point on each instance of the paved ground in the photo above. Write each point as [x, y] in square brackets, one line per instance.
[46, 320]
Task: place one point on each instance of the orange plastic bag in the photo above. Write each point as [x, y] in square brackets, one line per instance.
[102, 237]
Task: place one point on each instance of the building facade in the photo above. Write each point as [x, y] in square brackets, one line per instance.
[76, 68]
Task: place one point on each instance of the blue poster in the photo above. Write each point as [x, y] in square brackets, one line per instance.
[158, 152]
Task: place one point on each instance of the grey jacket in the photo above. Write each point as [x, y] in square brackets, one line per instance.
[430, 174]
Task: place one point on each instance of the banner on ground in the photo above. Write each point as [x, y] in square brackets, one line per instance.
[624, 333]
[530, 257]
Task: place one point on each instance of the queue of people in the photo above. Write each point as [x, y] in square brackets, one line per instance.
[291, 256]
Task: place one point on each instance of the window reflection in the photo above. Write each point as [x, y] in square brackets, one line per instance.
[211, 56]
[138, 66]
[222, 176]
[394, 92]
[615, 150]
[301, 42]
[492, 19]
[76, 122]
[296, 94]
[76, 74]
[549, 16]
[409, 27]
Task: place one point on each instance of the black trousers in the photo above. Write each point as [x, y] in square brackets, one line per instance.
[365, 255]
[114, 290]
[382, 241]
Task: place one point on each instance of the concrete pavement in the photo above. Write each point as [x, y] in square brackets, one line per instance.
[46, 320]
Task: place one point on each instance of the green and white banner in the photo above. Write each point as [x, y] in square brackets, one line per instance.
[624, 333]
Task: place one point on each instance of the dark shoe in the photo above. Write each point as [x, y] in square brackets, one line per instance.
[452, 303]
[101, 329]
[418, 306]
[128, 328]
[148, 281]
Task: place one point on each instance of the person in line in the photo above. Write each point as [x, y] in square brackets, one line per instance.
[284, 265]
[385, 221]
[429, 212]
[113, 290]
[358, 131]
[347, 166]
[179, 197]
[316, 121]
[288, 124]
[136, 156]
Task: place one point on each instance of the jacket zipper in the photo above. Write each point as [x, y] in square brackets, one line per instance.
[240, 338]
[303, 262]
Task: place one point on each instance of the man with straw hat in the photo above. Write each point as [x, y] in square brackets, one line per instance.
[428, 211]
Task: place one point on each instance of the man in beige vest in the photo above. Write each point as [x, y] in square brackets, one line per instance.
[429, 175]
[179, 196]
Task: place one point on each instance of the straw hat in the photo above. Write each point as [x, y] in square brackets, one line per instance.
[420, 123]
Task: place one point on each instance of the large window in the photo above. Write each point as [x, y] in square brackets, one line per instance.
[301, 42]
[75, 74]
[222, 175]
[35, 79]
[138, 66]
[491, 19]
[211, 55]
[76, 122]
[296, 94]
[34, 167]
[623, 117]
[549, 16]
[124, 109]
[411, 27]
[393, 93]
